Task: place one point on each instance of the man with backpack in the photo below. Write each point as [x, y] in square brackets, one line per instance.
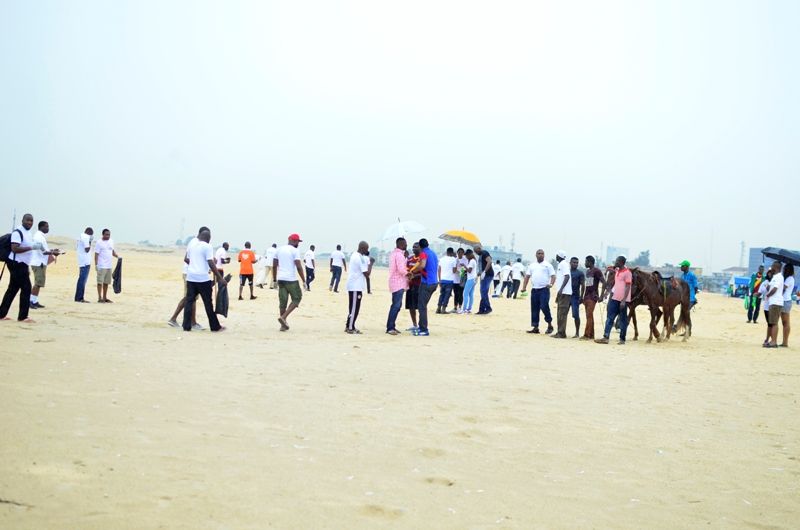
[17, 256]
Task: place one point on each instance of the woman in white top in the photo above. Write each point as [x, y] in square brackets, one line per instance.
[762, 291]
[469, 287]
[788, 288]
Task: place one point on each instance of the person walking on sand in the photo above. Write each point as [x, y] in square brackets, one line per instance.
[398, 283]
[103, 253]
[360, 268]
[472, 278]
[593, 279]
[285, 269]
[563, 295]
[338, 264]
[486, 274]
[310, 260]
[754, 300]
[247, 259]
[578, 279]
[517, 273]
[788, 289]
[618, 305]
[173, 321]
[507, 284]
[542, 277]
[691, 280]
[200, 260]
[447, 278]
[414, 276]
[83, 247]
[269, 255]
[41, 256]
[18, 262]
[429, 263]
[460, 281]
[775, 298]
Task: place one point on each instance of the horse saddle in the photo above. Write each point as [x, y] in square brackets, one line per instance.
[666, 283]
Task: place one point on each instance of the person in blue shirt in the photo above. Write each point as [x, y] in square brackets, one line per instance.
[429, 263]
[691, 281]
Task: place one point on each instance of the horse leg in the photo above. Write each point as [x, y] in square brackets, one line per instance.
[635, 326]
[654, 316]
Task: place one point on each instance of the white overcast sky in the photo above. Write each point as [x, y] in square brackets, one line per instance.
[663, 125]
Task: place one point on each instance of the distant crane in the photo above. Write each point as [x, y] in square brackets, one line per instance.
[513, 240]
[741, 256]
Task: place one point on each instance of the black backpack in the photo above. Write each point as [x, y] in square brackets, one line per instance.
[5, 246]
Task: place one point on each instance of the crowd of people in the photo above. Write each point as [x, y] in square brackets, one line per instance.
[415, 276]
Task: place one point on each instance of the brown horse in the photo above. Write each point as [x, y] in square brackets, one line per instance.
[659, 293]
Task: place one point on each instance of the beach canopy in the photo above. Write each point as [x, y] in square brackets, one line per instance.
[782, 255]
[460, 236]
[401, 229]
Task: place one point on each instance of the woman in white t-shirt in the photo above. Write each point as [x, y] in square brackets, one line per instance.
[763, 289]
[469, 287]
[788, 289]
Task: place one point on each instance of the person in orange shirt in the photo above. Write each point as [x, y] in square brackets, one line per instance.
[246, 260]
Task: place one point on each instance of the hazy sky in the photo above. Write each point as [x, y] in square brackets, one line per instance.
[670, 125]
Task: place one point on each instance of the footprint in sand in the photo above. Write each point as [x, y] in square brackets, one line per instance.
[375, 510]
[439, 481]
[431, 452]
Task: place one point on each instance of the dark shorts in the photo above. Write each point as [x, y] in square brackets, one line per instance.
[412, 297]
[575, 302]
[245, 277]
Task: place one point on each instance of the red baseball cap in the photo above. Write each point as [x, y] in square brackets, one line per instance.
[295, 237]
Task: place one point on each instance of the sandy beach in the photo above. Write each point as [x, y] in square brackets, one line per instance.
[113, 420]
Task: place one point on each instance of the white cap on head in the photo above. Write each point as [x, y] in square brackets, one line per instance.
[562, 254]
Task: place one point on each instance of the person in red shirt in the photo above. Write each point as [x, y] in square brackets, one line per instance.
[246, 260]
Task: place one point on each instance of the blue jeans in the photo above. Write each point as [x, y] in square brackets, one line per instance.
[540, 301]
[444, 294]
[613, 311]
[83, 275]
[397, 304]
[486, 284]
[336, 276]
[469, 295]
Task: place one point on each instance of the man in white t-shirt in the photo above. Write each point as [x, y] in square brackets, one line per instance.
[285, 268]
[447, 279]
[173, 321]
[563, 295]
[310, 260]
[221, 257]
[269, 256]
[103, 252]
[18, 261]
[360, 268]
[506, 285]
[200, 260]
[775, 300]
[337, 264]
[40, 259]
[543, 277]
[83, 247]
[517, 272]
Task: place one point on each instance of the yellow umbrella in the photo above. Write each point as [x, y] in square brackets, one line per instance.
[460, 236]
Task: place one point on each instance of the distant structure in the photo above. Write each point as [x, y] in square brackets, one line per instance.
[613, 252]
[741, 255]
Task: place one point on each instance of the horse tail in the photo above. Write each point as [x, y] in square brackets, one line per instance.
[685, 319]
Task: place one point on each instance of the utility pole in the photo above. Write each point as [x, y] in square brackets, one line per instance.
[741, 256]
[14, 220]
[513, 240]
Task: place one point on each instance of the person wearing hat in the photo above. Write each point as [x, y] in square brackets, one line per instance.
[564, 294]
[286, 267]
[691, 281]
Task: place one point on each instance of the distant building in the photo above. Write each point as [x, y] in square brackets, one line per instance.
[613, 252]
[756, 259]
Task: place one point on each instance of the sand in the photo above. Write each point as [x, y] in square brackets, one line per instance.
[112, 419]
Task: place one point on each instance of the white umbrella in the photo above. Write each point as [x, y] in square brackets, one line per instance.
[401, 229]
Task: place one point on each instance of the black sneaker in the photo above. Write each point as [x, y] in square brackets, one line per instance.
[535, 331]
[549, 330]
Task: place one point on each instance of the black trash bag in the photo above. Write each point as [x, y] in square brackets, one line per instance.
[221, 303]
[117, 277]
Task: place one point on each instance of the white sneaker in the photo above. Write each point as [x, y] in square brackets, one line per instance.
[197, 327]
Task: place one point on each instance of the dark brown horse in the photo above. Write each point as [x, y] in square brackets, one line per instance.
[659, 293]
